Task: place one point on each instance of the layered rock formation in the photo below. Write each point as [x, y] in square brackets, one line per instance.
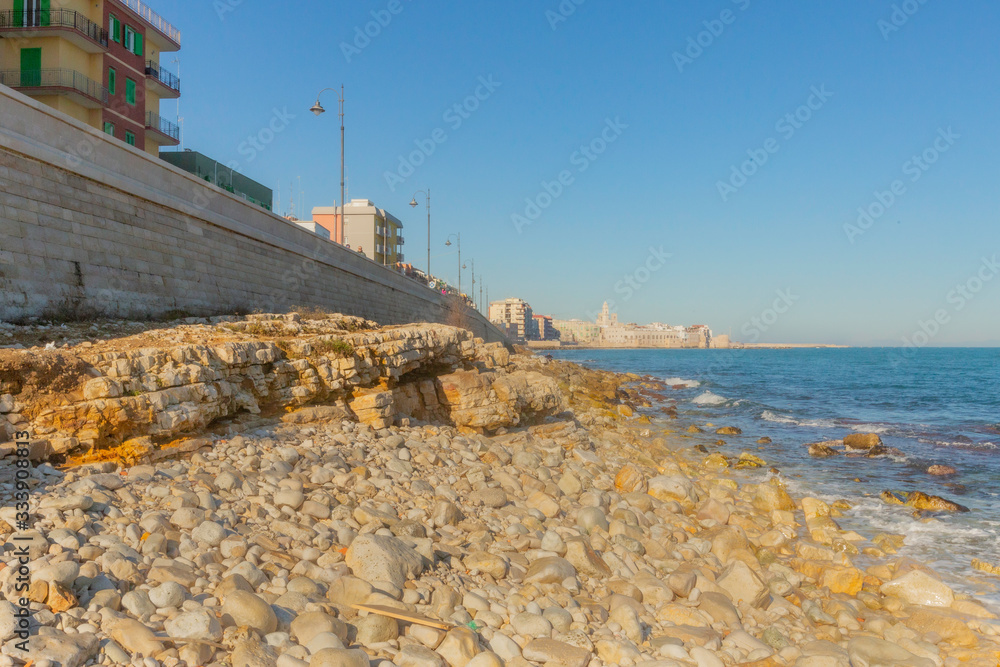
[156, 387]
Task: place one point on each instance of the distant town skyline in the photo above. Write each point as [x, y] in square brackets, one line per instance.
[841, 158]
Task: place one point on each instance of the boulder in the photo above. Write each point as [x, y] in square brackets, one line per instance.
[856, 442]
[742, 583]
[873, 652]
[772, 496]
[673, 487]
[458, 647]
[375, 558]
[242, 608]
[953, 628]
[630, 479]
[549, 570]
[822, 450]
[918, 587]
[550, 651]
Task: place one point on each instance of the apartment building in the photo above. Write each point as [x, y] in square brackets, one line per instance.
[543, 329]
[95, 60]
[576, 331]
[515, 314]
[365, 228]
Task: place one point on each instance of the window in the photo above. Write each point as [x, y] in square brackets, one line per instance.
[31, 13]
[130, 91]
[115, 28]
[130, 138]
[129, 38]
[112, 80]
[109, 128]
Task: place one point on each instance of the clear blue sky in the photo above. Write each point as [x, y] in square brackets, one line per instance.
[657, 184]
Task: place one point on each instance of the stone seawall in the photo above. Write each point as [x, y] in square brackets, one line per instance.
[92, 227]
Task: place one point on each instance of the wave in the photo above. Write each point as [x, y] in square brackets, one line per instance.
[690, 384]
[869, 428]
[958, 444]
[769, 416]
[708, 398]
[778, 418]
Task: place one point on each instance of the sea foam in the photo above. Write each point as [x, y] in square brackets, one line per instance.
[708, 398]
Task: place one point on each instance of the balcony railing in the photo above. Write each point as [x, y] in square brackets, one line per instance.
[162, 125]
[163, 76]
[153, 19]
[400, 240]
[54, 18]
[66, 79]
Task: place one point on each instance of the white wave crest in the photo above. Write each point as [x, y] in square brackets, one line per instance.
[769, 416]
[690, 384]
[708, 398]
[869, 428]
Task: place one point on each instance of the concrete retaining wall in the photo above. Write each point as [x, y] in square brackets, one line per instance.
[92, 227]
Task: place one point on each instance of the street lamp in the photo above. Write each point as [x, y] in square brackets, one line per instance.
[460, 267]
[473, 262]
[427, 195]
[319, 110]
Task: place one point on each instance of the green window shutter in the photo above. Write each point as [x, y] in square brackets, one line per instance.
[45, 16]
[109, 128]
[115, 27]
[31, 67]
[129, 41]
[130, 91]
[112, 80]
[138, 44]
[130, 139]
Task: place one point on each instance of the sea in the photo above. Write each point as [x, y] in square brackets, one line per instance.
[935, 405]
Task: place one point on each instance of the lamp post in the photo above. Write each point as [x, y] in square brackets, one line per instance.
[427, 195]
[473, 262]
[319, 110]
[460, 267]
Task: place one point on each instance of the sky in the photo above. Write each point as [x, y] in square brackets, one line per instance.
[784, 171]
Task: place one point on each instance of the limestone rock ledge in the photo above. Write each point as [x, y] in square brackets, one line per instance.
[168, 383]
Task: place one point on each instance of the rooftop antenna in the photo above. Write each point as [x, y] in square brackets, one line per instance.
[291, 199]
[278, 199]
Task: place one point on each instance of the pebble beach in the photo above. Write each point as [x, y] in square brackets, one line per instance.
[413, 497]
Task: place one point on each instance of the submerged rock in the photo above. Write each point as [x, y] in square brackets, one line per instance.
[921, 501]
[856, 442]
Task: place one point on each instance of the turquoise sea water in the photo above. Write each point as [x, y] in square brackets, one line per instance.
[935, 405]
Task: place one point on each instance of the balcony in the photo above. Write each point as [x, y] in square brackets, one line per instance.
[71, 83]
[72, 25]
[166, 133]
[400, 240]
[157, 22]
[167, 85]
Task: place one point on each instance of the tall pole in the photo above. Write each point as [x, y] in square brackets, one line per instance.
[460, 265]
[343, 202]
[428, 233]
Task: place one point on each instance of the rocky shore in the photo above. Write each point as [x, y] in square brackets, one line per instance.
[303, 490]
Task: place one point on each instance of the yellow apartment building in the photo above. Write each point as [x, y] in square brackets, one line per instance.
[95, 60]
